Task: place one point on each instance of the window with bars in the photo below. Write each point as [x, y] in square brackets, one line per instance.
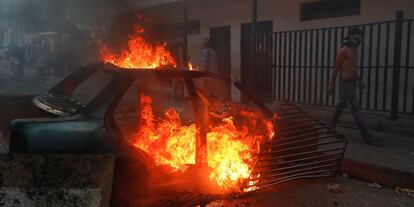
[329, 9]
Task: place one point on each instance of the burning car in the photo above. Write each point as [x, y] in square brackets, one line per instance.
[171, 133]
[171, 129]
[164, 117]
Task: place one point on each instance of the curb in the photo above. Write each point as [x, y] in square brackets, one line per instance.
[386, 176]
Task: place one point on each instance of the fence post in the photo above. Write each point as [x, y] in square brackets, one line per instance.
[397, 64]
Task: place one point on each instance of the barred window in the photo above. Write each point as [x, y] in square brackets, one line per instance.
[329, 9]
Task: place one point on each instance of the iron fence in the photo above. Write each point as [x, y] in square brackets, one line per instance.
[296, 65]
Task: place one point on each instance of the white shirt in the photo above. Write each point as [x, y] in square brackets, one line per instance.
[210, 60]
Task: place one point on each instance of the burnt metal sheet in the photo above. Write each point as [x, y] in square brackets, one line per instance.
[303, 147]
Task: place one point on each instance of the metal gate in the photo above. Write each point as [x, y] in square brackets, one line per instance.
[300, 64]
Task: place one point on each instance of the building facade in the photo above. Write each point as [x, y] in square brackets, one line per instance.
[283, 15]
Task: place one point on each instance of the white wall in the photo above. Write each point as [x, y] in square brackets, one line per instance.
[215, 14]
[285, 15]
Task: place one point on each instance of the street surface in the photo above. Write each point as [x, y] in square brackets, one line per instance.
[316, 194]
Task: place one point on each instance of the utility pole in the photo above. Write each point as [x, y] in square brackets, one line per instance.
[185, 34]
[252, 61]
[254, 17]
[397, 64]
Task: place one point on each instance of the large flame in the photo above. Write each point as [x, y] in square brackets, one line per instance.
[232, 142]
[140, 53]
[233, 139]
[166, 140]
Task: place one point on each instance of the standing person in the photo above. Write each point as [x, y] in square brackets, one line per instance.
[59, 63]
[346, 65]
[214, 88]
[16, 53]
[209, 57]
[41, 59]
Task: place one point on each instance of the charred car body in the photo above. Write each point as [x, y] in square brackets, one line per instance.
[56, 122]
[91, 110]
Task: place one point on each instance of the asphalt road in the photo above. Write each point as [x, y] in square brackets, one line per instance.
[316, 194]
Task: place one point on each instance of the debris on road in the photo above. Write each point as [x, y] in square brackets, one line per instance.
[374, 185]
[345, 175]
[335, 188]
[406, 191]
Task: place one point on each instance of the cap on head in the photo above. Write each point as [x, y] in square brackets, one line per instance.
[354, 38]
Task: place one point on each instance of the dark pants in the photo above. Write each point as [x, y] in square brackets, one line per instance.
[348, 95]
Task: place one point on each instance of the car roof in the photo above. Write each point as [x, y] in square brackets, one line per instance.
[161, 72]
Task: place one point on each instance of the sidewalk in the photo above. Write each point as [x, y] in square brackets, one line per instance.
[391, 163]
[376, 121]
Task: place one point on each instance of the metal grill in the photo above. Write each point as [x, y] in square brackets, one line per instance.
[296, 65]
[303, 147]
[185, 199]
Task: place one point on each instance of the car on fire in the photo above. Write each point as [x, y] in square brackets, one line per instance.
[171, 130]
[78, 114]
[100, 108]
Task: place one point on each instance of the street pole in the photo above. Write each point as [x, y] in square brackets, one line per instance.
[254, 17]
[252, 71]
[397, 64]
[185, 35]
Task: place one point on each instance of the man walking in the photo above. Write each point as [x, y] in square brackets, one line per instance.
[346, 65]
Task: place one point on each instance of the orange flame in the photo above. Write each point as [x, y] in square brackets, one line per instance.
[166, 140]
[191, 67]
[140, 54]
[253, 184]
[231, 144]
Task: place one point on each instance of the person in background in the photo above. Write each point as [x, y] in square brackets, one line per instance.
[209, 58]
[214, 88]
[16, 53]
[346, 66]
[59, 63]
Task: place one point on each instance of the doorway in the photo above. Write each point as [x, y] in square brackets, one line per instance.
[249, 76]
[220, 38]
